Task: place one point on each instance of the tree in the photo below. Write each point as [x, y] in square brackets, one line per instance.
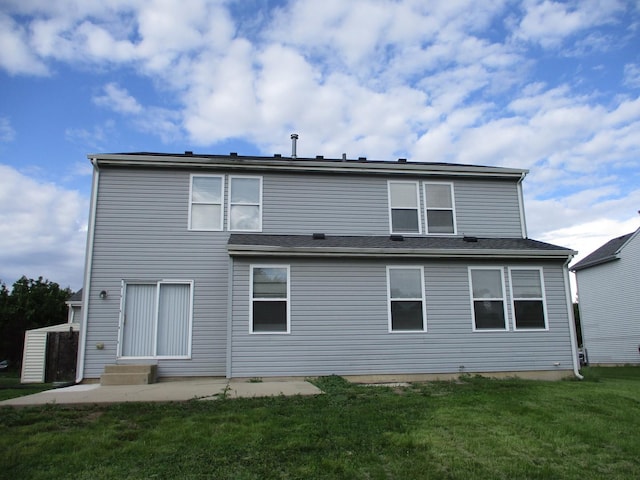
[30, 304]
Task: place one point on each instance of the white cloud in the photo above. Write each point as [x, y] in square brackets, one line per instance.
[117, 99]
[434, 81]
[7, 133]
[42, 230]
[16, 57]
[632, 75]
[549, 23]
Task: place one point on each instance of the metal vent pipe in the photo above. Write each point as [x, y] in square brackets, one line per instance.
[294, 140]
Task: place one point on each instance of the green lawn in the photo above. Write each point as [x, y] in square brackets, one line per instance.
[10, 386]
[472, 429]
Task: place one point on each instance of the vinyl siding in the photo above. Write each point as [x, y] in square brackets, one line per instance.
[345, 205]
[609, 299]
[141, 234]
[339, 325]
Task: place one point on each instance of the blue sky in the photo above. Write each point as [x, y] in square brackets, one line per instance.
[553, 87]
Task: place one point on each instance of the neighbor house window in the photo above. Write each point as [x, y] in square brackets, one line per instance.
[269, 299]
[527, 297]
[488, 298]
[245, 204]
[156, 319]
[205, 208]
[439, 207]
[404, 210]
[405, 291]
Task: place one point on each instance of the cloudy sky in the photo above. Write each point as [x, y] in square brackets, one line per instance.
[550, 86]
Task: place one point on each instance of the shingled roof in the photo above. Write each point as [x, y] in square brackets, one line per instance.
[391, 245]
[606, 253]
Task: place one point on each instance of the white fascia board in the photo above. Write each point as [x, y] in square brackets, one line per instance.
[261, 250]
[304, 165]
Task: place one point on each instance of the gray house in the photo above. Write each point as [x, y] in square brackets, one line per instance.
[237, 266]
[609, 299]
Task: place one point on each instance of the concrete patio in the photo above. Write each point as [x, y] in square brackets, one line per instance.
[168, 391]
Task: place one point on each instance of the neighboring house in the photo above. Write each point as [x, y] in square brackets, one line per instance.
[34, 353]
[608, 283]
[237, 266]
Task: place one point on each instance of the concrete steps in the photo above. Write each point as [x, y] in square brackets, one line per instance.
[129, 374]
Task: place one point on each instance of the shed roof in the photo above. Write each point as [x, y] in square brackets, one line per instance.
[606, 253]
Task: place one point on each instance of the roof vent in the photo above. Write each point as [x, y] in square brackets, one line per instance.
[396, 238]
[233, 154]
[188, 152]
[294, 141]
[469, 239]
[318, 236]
[402, 160]
[319, 157]
[277, 155]
[362, 159]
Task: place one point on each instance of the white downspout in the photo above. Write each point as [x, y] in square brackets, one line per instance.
[229, 369]
[572, 321]
[523, 220]
[88, 261]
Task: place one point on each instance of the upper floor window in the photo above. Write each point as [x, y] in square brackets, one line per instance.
[245, 204]
[527, 297]
[404, 211]
[407, 309]
[440, 208]
[488, 298]
[205, 209]
[269, 299]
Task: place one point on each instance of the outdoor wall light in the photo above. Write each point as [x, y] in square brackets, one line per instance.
[103, 294]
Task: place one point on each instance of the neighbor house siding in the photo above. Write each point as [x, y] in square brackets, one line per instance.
[339, 325]
[609, 299]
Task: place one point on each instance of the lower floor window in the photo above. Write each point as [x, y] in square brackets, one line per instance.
[269, 299]
[156, 321]
[406, 299]
[487, 292]
[528, 298]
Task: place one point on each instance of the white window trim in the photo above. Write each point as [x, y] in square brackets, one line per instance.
[418, 206]
[287, 300]
[452, 209]
[155, 326]
[543, 299]
[191, 203]
[422, 299]
[229, 204]
[503, 299]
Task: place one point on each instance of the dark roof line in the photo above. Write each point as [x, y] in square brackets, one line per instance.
[606, 253]
[391, 244]
[317, 164]
[189, 154]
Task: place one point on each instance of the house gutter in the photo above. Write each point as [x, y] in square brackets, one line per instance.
[88, 263]
[371, 167]
[572, 321]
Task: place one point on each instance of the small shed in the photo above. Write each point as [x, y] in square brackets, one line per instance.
[50, 352]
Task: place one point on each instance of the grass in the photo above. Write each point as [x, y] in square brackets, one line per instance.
[474, 428]
[10, 386]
